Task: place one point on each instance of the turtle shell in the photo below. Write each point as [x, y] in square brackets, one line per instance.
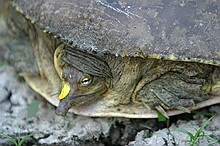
[172, 30]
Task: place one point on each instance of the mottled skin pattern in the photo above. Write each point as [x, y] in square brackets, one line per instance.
[120, 58]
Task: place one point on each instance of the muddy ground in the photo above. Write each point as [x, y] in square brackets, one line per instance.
[24, 112]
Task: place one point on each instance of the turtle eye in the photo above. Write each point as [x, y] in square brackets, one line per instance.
[86, 81]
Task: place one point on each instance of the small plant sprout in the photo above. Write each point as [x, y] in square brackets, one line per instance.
[200, 134]
[19, 141]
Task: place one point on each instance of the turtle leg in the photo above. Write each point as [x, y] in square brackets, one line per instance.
[154, 73]
[172, 91]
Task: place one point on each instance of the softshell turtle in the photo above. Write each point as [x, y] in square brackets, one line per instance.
[122, 58]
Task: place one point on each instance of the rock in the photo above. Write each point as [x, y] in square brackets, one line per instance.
[4, 94]
[171, 136]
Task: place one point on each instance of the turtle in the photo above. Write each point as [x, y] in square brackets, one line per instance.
[116, 58]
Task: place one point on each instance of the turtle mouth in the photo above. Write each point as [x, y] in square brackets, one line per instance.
[73, 100]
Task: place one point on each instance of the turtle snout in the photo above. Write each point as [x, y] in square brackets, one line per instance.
[65, 104]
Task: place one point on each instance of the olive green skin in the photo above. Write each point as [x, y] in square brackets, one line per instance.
[158, 55]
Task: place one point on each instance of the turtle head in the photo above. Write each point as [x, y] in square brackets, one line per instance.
[80, 84]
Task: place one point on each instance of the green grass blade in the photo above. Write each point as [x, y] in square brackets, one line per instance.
[9, 138]
[186, 132]
[200, 134]
[214, 141]
[202, 127]
[4, 63]
[26, 137]
[204, 113]
[161, 117]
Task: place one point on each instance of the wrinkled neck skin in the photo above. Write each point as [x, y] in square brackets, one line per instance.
[126, 72]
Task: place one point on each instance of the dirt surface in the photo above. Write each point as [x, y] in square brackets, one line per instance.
[17, 102]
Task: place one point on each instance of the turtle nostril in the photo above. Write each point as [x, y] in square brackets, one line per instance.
[64, 105]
